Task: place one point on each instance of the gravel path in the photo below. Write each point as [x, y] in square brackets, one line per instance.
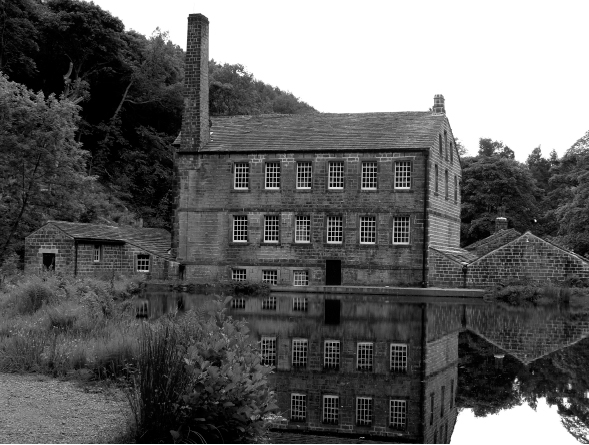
[38, 409]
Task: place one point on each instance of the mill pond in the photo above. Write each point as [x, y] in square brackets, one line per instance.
[360, 368]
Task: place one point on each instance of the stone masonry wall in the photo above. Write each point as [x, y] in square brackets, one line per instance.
[208, 202]
[444, 271]
[49, 239]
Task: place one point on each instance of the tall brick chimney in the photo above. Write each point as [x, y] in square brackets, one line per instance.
[500, 223]
[439, 107]
[195, 120]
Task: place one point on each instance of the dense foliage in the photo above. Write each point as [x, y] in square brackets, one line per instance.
[125, 91]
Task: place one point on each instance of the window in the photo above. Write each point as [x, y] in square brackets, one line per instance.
[142, 263]
[240, 229]
[443, 397]
[241, 176]
[398, 357]
[367, 229]
[298, 407]
[299, 304]
[455, 188]
[403, 175]
[451, 153]
[270, 276]
[238, 275]
[271, 224]
[431, 409]
[446, 432]
[440, 144]
[369, 175]
[446, 143]
[300, 347]
[304, 175]
[238, 303]
[401, 230]
[451, 393]
[364, 356]
[398, 414]
[436, 187]
[268, 349]
[336, 175]
[302, 229]
[446, 184]
[269, 303]
[331, 352]
[301, 277]
[97, 253]
[330, 409]
[273, 175]
[335, 229]
[364, 411]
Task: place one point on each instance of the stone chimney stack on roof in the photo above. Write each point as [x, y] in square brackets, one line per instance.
[195, 120]
[500, 223]
[439, 107]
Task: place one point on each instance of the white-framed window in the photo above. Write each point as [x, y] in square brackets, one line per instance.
[330, 409]
[240, 228]
[268, 350]
[238, 303]
[238, 274]
[241, 176]
[142, 263]
[364, 411]
[335, 229]
[271, 228]
[299, 304]
[298, 407]
[331, 354]
[398, 414]
[401, 230]
[367, 229]
[269, 303]
[270, 276]
[304, 175]
[369, 175]
[336, 175]
[364, 356]
[403, 174]
[303, 229]
[300, 346]
[398, 357]
[301, 277]
[97, 253]
[272, 175]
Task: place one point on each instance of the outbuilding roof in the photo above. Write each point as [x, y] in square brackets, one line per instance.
[408, 130]
[156, 241]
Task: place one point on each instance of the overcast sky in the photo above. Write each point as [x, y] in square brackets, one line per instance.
[515, 71]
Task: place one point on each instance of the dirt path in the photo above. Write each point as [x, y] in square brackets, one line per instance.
[38, 409]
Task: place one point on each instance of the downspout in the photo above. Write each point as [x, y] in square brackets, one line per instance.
[423, 374]
[424, 282]
[75, 258]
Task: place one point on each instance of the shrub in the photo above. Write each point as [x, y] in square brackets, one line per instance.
[115, 356]
[32, 296]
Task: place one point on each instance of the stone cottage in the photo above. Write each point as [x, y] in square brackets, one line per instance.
[313, 199]
[94, 249]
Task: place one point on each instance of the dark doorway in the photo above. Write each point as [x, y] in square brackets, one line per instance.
[332, 311]
[333, 272]
[49, 261]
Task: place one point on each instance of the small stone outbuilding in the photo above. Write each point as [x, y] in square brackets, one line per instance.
[99, 250]
[504, 256]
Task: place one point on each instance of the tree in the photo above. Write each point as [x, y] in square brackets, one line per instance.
[491, 184]
[488, 147]
[462, 151]
[41, 165]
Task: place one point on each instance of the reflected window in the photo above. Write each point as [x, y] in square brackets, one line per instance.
[268, 349]
[299, 304]
[398, 414]
[238, 303]
[331, 354]
[298, 407]
[364, 356]
[330, 409]
[299, 352]
[269, 303]
[364, 411]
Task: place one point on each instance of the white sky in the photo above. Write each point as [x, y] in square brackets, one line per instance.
[511, 71]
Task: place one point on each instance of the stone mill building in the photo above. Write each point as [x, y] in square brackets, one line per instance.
[311, 199]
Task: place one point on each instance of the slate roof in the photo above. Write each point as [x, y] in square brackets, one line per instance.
[457, 254]
[156, 241]
[491, 239]
[324, 132]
